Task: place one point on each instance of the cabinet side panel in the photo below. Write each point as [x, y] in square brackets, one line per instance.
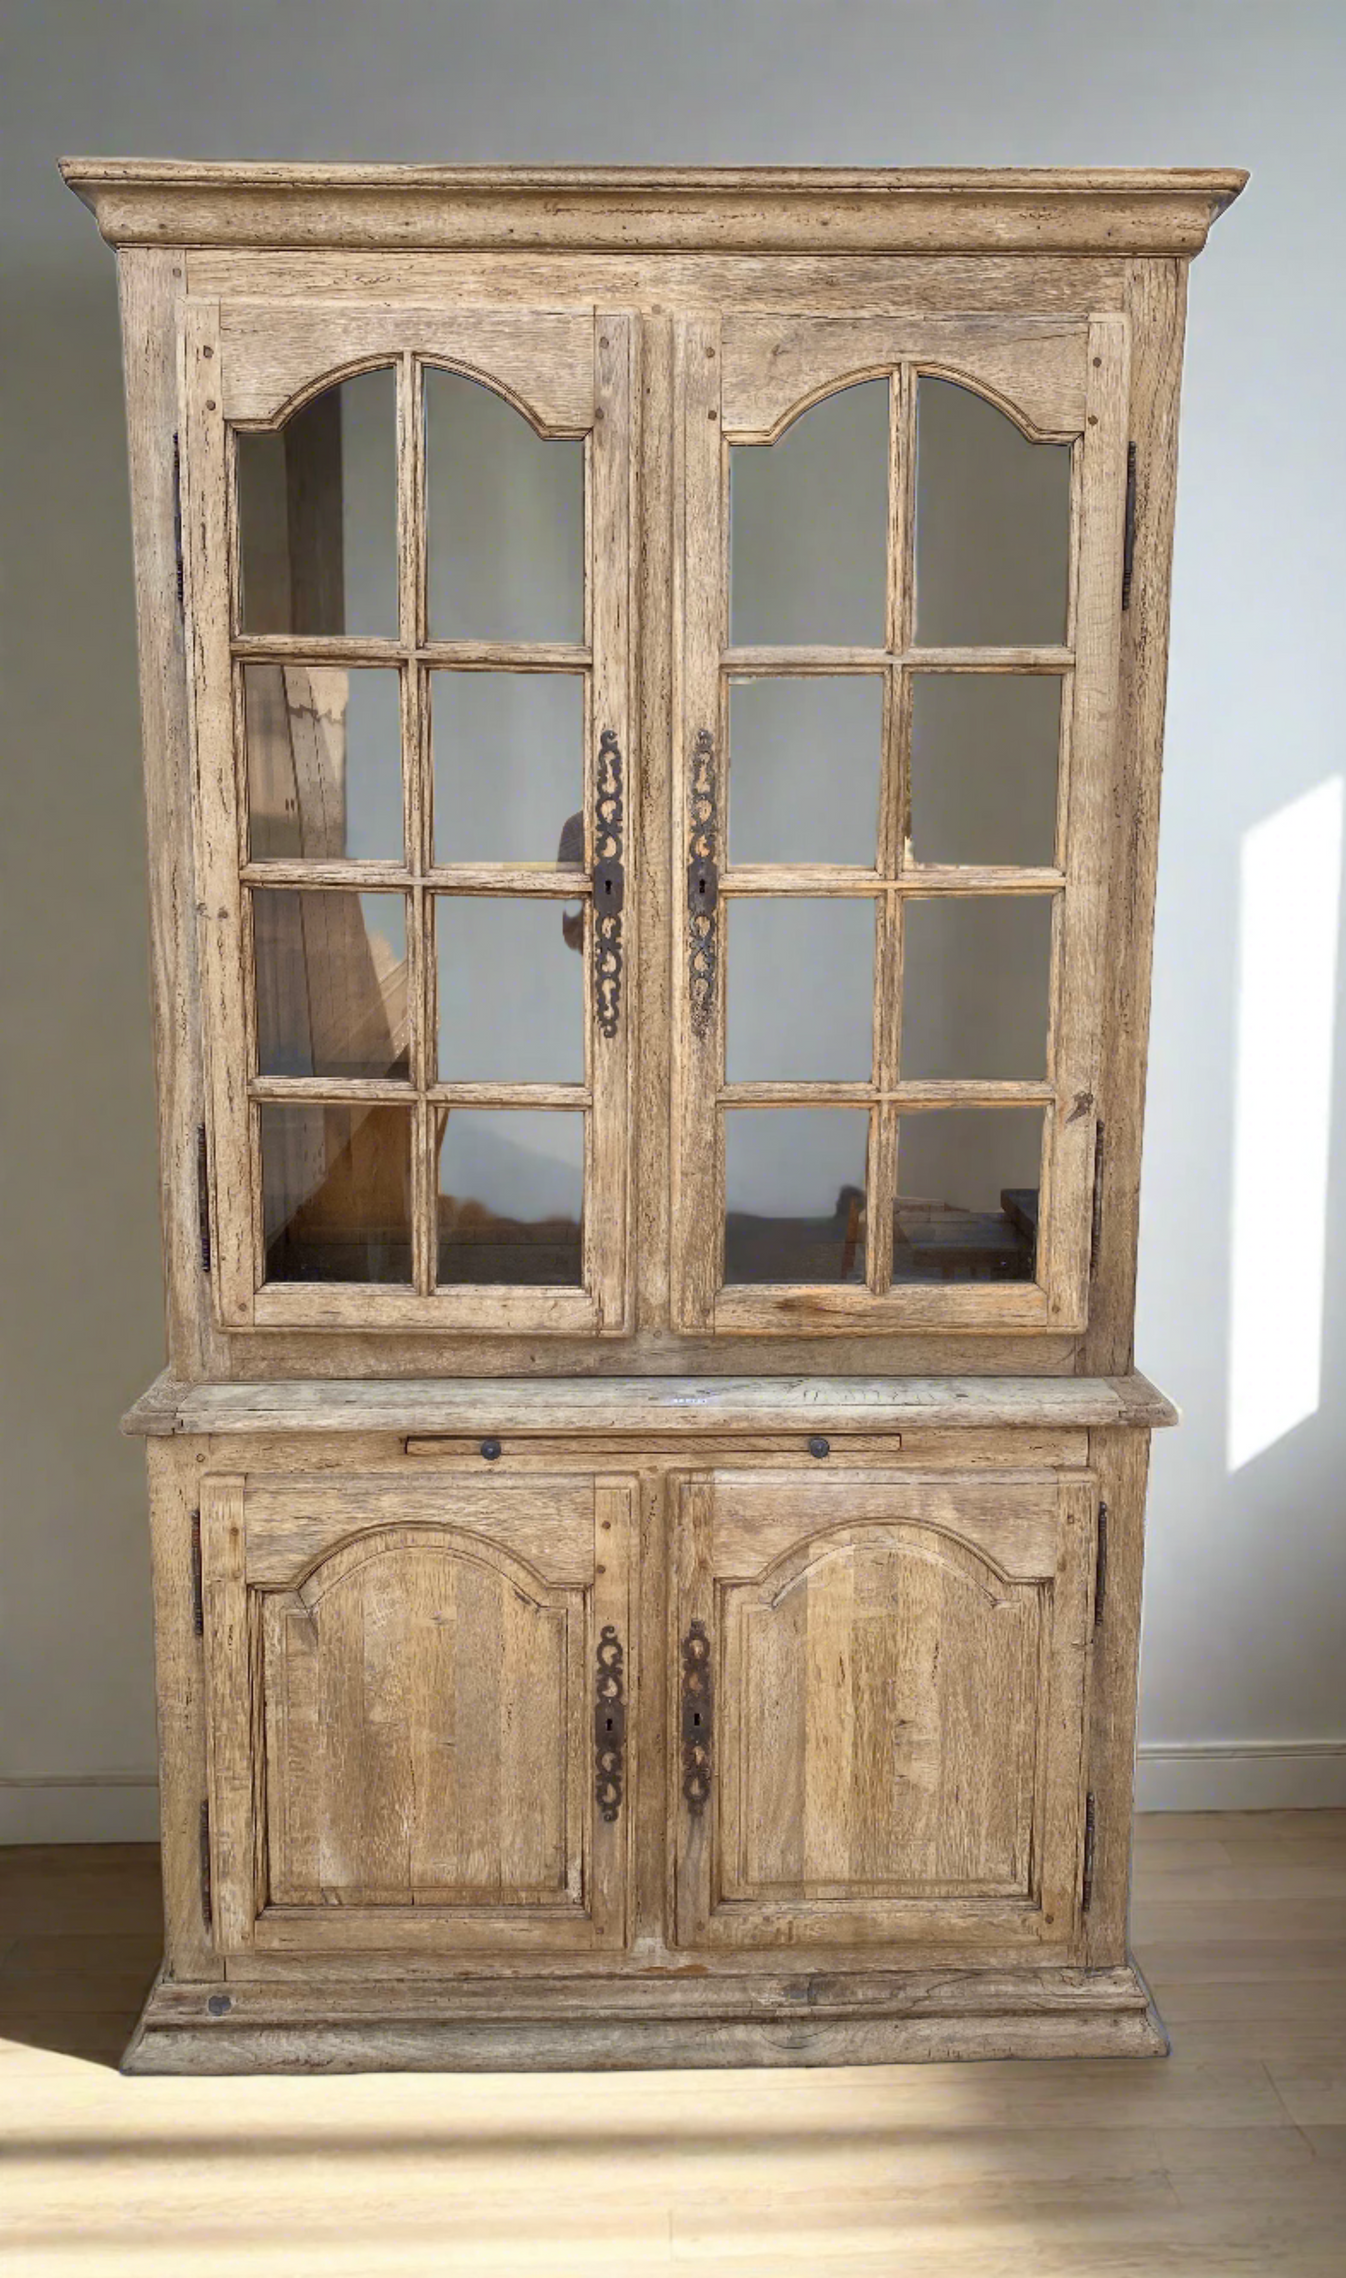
[1121, 1460]
[1156, 304]
[173, 1467]
[150, 283]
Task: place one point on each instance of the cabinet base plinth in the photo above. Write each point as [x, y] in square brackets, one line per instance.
[634, 2024]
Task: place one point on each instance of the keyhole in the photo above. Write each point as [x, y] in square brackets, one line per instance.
[607, 1724]
[696, 1716]
[607, 887]
[701, 888]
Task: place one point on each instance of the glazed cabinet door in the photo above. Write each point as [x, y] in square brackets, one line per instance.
[900, 626]
[416, 1704]
[407, 542]
[881, 1708]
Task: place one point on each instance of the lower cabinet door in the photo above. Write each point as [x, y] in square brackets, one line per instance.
[416, 1704]
[881, 1709]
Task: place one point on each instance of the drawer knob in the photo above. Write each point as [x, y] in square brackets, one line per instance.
[819, 1446]
[490, 1449]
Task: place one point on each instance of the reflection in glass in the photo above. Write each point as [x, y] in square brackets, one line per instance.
[511, 990]
[795, 1194]
[324, 763]
[800, 988]
[508, 764]
[984, 767]
[504, 520]
[331, 983]
[992, 525]
[317, 514]
[966, 1207]
[336, 1192]
[976, 979]
[809, 526]
[511, 1196]
[804, 769]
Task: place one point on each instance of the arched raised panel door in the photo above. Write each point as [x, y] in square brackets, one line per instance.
[407, 536]
[900, 643]
[405, 1686]
[890, 1682]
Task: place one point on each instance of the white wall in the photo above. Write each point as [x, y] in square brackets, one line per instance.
[1246, 1625]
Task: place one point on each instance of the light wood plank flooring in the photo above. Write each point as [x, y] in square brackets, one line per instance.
[1229, 2159]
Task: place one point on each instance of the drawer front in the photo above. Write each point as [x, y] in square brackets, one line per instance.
[881, 1708]
[416, 1700]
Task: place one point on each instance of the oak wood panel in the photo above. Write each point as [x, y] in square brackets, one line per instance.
[688, 1405]
[774, 367]
[897, 1721]
[150, 284]
[400, 1719]
[274, 357]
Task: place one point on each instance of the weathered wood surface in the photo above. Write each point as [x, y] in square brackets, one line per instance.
[1082, 210]
[667, 1404]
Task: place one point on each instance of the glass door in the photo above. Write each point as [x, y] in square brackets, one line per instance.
[900, 628]
[408, 537]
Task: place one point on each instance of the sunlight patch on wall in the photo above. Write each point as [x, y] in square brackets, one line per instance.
[1290, 905]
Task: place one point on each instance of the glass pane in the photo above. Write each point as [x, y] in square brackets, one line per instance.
[335, 1192]
[511, 1197]
[504, 520]
[331, 983]
[804, 769]
[809, 526]
[983, 767]
[976, 979]
[801, 987]
[992, 525]
[967, 1194]
[324, 763]
[509, 765]
[511, 990]
[795, 1194]
[317, 514]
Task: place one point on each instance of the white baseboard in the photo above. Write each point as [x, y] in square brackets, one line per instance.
[90, 1807]
[1235, 1775]
[1241, 1775]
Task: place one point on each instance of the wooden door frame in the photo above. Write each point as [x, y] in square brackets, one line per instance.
[1049, 1919]
[1070, 380]
[314, 1518]
[253, 362]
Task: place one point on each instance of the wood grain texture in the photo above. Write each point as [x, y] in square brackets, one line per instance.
[686, 1405]
[897, 1718]
[774, 367]
[274, 358]
[151, 284]
[1109, 210]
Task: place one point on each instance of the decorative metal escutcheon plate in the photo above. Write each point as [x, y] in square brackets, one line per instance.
[609, 884]
[696, 1718]
[609, 1722]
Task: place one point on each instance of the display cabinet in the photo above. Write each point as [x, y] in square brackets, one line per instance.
[653, 690]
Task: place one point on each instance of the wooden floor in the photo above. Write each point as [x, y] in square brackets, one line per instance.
[1229, 2159]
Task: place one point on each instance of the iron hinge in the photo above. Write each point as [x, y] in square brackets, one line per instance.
[177, 518]
[207, 1905]
[203, 1194]
[198, 1592]
[1129, 526]
[1096, 1208]
[1100, 1564]
[1087, 1869]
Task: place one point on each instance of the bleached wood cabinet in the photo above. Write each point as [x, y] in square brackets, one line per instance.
[652, 692]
